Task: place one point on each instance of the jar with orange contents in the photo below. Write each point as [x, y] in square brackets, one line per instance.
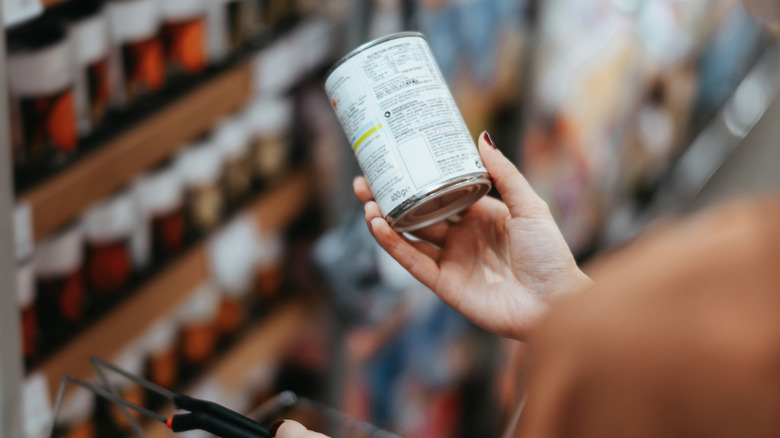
[161, 200]
[137, 55]
[184, 35]
[108, 229]
[232, 264]
[41, 86]
[198, 317]
[162, 359]
[61, 299]
[75, 417]
[269, 266]
[131, 359]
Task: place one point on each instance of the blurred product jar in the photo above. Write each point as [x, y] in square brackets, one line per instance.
[199, 325]
[137, 54]
[41, 86]
[225, 32]
[88, 28]
[26, 294]
[75, 418]
[269, 266]
[268, 123]
[108, 228]
[232, 263]
[131, 359]
[161, 199]
[58, 269]
[184, 35]
[233, 144]
[200, 170]
[162, 362]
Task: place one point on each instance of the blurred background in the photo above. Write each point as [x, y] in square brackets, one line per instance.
[179, 202]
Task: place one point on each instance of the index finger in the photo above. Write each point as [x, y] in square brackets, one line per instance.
[293, 429]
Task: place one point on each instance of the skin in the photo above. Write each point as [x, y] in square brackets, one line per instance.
[499, 265]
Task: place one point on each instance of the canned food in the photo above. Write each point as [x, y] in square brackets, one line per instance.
[406, 131]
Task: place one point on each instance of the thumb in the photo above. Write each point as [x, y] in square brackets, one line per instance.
[517, 194]
[292, 429]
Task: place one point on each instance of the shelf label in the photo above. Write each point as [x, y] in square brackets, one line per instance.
[36, 406]
[17, 11]
[23, 232]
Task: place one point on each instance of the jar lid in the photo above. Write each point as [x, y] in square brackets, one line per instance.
[231, 139]
[25, 285]
[269, 251]
[76, 408]
[131, 359]
[199, 165]
[161, 336]
[36, 35]
[268, 116]
[182, 9]
[160, 192]
[232, 257]
[202, 306]
[111, 220]
[90, 38]
[133, 20]
[60, 254]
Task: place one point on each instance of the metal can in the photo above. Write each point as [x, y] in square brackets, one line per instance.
[405, 129]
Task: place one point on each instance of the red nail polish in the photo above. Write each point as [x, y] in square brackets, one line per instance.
[274, 427]
[489, 140]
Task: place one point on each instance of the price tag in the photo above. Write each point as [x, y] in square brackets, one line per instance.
[23, 232]
[36, 406]
[17, 11]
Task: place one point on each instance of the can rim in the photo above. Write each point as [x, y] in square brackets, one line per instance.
[368, 45]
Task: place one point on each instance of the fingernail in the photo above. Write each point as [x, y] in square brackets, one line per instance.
[373, 221]
[275, 427]
[489, 140]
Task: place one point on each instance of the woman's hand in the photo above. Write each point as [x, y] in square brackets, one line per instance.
[293, 429]
[499, 264]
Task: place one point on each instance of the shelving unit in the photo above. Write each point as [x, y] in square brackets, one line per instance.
[127, 322]
[62, 198]
[264, 342]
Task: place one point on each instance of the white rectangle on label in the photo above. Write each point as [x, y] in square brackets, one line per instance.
[419, 162]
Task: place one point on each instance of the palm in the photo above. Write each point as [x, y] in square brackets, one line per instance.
[499, 264]
[491, 268]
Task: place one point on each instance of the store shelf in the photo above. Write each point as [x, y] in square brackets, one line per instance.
[62, 198]
[111, 333]
[262, 345]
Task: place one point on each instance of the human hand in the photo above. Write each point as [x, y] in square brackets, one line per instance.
[500, 264]
[293, 429]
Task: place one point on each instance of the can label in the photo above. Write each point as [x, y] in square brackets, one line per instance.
[401, 120]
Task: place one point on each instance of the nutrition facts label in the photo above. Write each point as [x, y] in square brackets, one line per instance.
[401, 120]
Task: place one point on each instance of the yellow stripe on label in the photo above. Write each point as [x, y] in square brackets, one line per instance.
[365, 136]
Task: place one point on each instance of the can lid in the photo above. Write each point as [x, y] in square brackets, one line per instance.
[37, 34]
[60, 254]
[25, 285]
[161, 336]
[76, 408]
[182, 9]
[232, 257]
[231, 139]
[131, 359]
[368, 45]
[159, 192]
[133, 20]
[112, 219]
[199, 164]
[268, 116]
[202, 306]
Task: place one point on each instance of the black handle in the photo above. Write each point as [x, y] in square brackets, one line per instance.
[210, 424]
[220, 412]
